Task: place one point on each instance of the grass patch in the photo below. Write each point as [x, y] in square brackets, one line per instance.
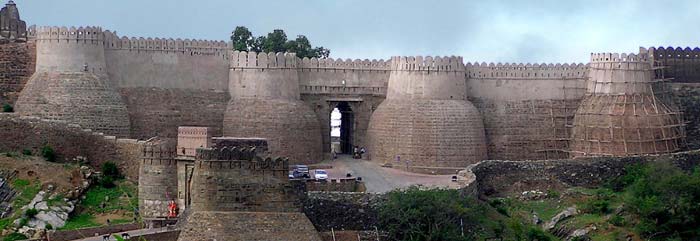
[545, 209]
[96, 195]
[83, 220]
[27, 190]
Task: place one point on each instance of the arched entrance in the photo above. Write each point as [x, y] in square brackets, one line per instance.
[342, 123]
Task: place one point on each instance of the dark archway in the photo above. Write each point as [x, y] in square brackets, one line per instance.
[341, 133]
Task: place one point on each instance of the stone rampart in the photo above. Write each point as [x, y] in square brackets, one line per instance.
[244, 226]
[157, 180]
[507, 178]
[343, 210]
[236, 180]
[17, 65]
[527, 108]
[680, 65]
[69, 141]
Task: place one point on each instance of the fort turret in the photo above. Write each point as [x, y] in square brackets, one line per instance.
[71, 83]
[157, 181]
[621, 115]
[426, 123]
[265, 102]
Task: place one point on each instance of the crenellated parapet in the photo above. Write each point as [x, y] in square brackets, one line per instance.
[677, 64]
[227, 153]
[81, 35]
[430, 64]
[240, 60]
[671, 52]
[158, 153]
[525, 70]
[347, 64]
[166, 45]
[614, 73]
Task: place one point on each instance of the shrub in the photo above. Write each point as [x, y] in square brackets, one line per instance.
[107, 182]
[8, 108]
[535, 234]
[48, 153]
[48, 226]
[15, 236]
[110, 169]
[600, 203]
[23, 222]
[434, 214]
[27, 152]
[553, 194]
[31, 213]
[618, 220]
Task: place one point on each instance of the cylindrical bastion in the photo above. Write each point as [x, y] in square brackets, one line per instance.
[426, 124]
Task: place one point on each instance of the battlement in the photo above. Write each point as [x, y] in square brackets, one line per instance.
[348, 64]
[227, 153]
[158, 152]
[251, 60]
[88, 35]
[420, 63]
[619, 58]
[184, 46]
[238, 158]
[670, 52]
[526, 70]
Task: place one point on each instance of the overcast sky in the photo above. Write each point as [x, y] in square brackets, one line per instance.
[486, 31]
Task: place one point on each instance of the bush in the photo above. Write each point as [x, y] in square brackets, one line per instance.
[666, 200]
[23, 222]
[434, 214]
[535, 234]
[107, 182]
[600, 203]
[48, 153]
[15, 236]
[8, 108]
[110, 169]
[48, 226]
[31, 213]
[27, 152]
[618, 220]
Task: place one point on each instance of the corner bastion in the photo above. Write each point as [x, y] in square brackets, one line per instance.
[426, 121]
[621, 115]
[71, 83]
[265, 102]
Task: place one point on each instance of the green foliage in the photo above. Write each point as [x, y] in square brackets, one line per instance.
[111, 169]
[96, 195]
[632, 174]
[27, 190]
[14, 237]
[600, 203]
[23, 222]
[553, 194]
[618, 220]
[48, 153]
[667, 201]
[31, 213]
[107, 182]
[435, 214]
[83, 220]
[500, 206]
[8, 108]
[27, 152]
[276, 41]
[48, 226]
[536, 234]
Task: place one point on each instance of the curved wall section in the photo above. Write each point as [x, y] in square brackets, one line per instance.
[265, 103]
[70, 83]
[620, 114]
[425, 124]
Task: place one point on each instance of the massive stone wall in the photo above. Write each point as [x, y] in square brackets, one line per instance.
[69, 141]
[16, 65]
[158, 180]
[527, 108]
[159, 111]
[245, 226]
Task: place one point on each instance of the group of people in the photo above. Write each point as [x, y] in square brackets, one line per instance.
[357, 152]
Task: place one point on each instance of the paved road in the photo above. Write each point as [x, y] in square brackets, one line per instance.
[132, 233]
[382, 179]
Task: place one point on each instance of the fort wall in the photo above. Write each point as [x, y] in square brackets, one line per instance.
[157, 180]
[69, 141]
[17, 65]
[70, 49]
[527, 108]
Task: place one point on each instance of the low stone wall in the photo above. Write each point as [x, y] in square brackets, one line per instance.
[90, 232]
[242, 226]
[335, 185]
[342, 210]
[503, 178]
[164, 236]
[69, 141]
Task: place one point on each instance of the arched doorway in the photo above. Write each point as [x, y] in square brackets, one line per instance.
[342, 125]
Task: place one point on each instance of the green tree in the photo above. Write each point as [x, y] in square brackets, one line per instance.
[435, 214]
[242, 39]
[7, 108]
[48, 153]
[275, 41]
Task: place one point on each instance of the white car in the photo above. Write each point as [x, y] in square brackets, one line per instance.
[320, 175]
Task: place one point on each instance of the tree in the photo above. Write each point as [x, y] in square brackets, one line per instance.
[242, 39]
[276, 41]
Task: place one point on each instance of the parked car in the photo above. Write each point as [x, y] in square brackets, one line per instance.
[303, 171]
[320, 174]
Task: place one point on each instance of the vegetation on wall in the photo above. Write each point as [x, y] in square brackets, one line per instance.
[276, 41]
[8, 108]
